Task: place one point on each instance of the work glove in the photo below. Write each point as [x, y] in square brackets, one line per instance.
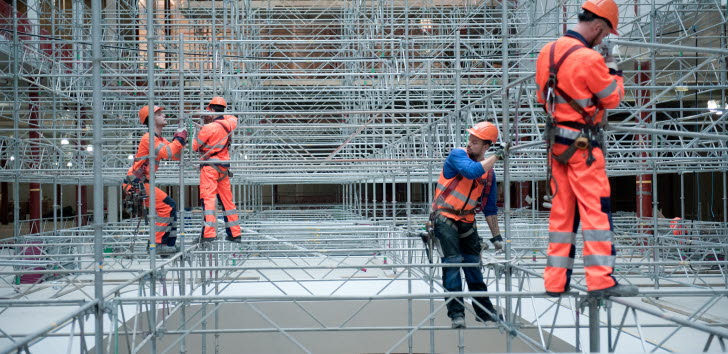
[497, 242]
[609, 59]
[499, 153]
[181, 136]
[483, 245]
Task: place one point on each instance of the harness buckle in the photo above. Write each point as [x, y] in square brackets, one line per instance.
[582, 142]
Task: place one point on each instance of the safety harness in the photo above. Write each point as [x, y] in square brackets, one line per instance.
[437, 209]
[224, 174]
[588, 134]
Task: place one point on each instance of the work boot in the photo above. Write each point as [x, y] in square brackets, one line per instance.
[164, 249]
[558, 294]
[238, 239]
[490, 318]
[206, 240]
[458, 322]
[618, 290]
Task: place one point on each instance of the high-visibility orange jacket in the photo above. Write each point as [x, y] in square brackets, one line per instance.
[213, 140]
[164, 151]
[583, 76]
[677, 226]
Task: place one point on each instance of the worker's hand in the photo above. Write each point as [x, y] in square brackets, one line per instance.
[497, 241]
[611, 64]
[483, 245]
[181, 135]
[499, 153]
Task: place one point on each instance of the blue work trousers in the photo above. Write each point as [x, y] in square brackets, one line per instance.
[461, 245]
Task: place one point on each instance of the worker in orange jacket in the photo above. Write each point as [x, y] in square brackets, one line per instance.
[576, 84]
[138, 176]
[213, 142]
[465, 187]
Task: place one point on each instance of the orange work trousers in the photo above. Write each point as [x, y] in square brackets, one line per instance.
[215, 185]
[581, 192]
[166, 210]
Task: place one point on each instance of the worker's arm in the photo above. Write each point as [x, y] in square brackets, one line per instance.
[541, 76]
[232, 122]
[489, 162]
[458, 162]
[166, 150]
[199, 143]
[492, 221]
[607, 85]
[490, 211]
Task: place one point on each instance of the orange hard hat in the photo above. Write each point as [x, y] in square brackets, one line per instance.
[144, 112]
[485, 131]
[606, 9]
[218, 101]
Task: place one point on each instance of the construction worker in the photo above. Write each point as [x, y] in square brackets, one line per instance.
[213, 142]
[576, 84]
[466, 185]
[676, 225]
[138, 175]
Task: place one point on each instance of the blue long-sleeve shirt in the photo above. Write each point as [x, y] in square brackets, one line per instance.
[458, 162]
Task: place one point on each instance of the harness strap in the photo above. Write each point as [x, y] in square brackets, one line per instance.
[448, 189]
[488, 181]
[447, 221]
[553, 84]
[456, 212]
[227, 143]
[566, 155]
[467, 233]
[451, 187]
[224, 174]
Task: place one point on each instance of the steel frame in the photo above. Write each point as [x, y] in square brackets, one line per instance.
[362, 94]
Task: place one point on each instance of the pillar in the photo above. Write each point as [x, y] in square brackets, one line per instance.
[643, 182]
[112, 207]
[34, 202]
[4, 203]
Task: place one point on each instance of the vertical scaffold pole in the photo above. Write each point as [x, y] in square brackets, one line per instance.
[458, 84]
[181, 207]
[98, 176]
[506, 173]
[152, 156]
[594, 343]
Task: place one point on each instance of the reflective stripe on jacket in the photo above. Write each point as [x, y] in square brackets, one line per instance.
[211, 140]
[468, 195]
[164, 150]
[584, 76]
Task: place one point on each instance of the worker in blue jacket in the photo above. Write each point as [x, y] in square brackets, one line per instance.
[467, 185]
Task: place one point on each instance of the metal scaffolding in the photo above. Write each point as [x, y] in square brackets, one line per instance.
[364, 96]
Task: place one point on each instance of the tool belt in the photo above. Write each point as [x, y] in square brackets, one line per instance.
[135, 197]
[456, 212]
[435, 215]
[586, 137]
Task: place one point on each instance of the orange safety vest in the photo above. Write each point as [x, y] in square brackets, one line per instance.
[164, 150]
[459, 198]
